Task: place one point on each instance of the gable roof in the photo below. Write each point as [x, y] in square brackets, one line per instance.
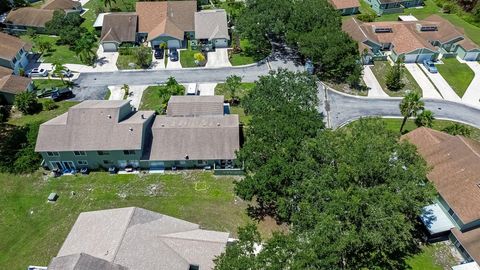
[119, 27]
[61, 4]
[171, 18]
[200, 138]
[94, 125]
[455, 169]
[141, 239]
[14, 84]
[470, 241]
[10, 46]
[29, 16]
[4, 71]
[195, 105]
[211, 24]
[82, 261]
[342, 4]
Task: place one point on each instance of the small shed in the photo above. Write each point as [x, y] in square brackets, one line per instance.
[52, 197]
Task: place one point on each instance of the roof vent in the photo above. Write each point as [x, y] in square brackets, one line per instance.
[109, 116]
[163, 125]
[186, 157]
[143, 116]
[130, 128]
[218, 124]
[379, 29]
[427, 27]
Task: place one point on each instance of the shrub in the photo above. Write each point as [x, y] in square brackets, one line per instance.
[144, 56]
[27, 103]
[49, 105]
[367, 17]
[448, 7]
[4, 113]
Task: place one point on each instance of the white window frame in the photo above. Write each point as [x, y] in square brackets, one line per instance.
[82, 162]
[53, 154]
[79, 153]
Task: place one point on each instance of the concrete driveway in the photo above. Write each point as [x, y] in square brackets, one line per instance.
[427, 87]
[472, 95]
[372, 83]
[445, 89]
[157, 64]
[106, 61]
[174, 65]
[207, 89]
[218, 58]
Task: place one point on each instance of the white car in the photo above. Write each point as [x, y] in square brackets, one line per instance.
[38, 72]
[66, 73]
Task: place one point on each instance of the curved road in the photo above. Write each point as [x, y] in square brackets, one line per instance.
[341, 109]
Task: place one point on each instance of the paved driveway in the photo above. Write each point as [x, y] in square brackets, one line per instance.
[427, 87]
[218, 58]
[375, 89]
[106, 61]
[174, 65]
[157, 64]
[445, 89]
[472, 95]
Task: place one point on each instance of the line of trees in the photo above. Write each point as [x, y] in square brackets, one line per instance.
[351, 196]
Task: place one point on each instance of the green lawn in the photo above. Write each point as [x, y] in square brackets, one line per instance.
[41, 84]
[242, 58]
[432, 257]
[43, 116]
[124, 61]
[244, 89]
[34, 230]
[187, 58]
[58, 53]
[155, 98]
[380, 70]
[457, 74]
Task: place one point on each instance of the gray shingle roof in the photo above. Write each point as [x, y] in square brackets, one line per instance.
[199, 138]
[141, 239]
[195, 105]
[82, 261]
[119, 27]
[211, 24]
[94, 125]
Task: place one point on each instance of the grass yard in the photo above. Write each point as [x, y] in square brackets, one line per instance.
[242, 58]
[43, 116]
[41, 84]
[58, 53]
[432, 257]
[124, 61]
[457, 74]
[34, 230]
[187, 58]
[156, 98]
[244, 89]
[380, 70]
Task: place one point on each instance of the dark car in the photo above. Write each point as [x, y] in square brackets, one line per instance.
[62, 94]
[159, 52]
[173, 55]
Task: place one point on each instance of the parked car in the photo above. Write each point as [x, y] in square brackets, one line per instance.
[159, 53]
[430, 66]
[38, 72]
[173, 55]
[62, 94]
[66, 73]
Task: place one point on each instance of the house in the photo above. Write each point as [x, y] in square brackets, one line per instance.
[392, 6]
[196, 133]
[13, 53]
[11, 85]
[412, 41]
[454, 161]
[19, 20]
[346, 7]
[137, 239]
[117, 29]
[211, 28]
[94, 134]
[166, 22]
[69, 6]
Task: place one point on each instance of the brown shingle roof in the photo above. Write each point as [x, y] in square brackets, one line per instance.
[61, 4]
[342, 4]
[4, 71]
[10, 45]
[14, 84]
[171, 18]
[455, 169]
[195, 105]
[119, 27]
[29, 16]
[199, 138]
[470, 241]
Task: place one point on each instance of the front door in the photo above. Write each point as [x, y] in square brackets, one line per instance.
[56, 165]
[68, 165]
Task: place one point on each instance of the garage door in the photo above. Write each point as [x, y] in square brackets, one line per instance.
[471, 56]
[221, 43]
[109, 47]
[173, 44]
[410, 58]
[422, 57]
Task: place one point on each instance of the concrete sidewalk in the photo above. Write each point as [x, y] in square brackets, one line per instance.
[472, 95]
[372, 83]
[427, 87]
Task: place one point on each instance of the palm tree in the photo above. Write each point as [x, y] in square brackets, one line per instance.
[126, 91]
[109, 3]
[425, 119]
[410, 106]
[58, 70]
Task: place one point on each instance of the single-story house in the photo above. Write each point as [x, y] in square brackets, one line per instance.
[137, 239]
[99, 21]
[413, 41]
[211, 28]
[19, 20]
[69, 6]
[195, 133]
[11, 85]
[346, 7]
[454, 161]
[392, 6]
[118, 28]
[13, 52]
[166, 22]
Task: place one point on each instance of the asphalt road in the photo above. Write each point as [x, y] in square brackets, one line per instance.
[341, 109]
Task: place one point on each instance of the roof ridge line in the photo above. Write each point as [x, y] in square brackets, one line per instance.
[468, 145]
[186, 238]
[123, 234]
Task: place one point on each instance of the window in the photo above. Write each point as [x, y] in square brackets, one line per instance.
[129, 152]
[79, 153]
[194, 267]
[82, 162]
[53, 154]
[103, 153]
[106, 162]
